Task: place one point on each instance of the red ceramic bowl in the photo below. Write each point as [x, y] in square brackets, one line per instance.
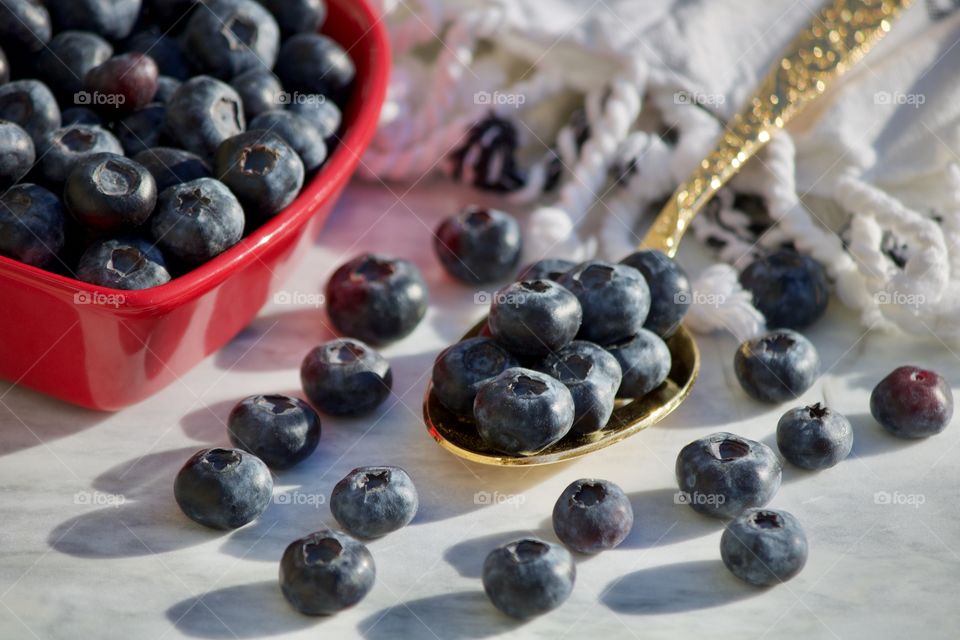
[106, 349]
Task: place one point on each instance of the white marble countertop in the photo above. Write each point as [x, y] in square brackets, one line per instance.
[93, 545]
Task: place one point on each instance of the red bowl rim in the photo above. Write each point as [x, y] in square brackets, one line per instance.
[362, 115]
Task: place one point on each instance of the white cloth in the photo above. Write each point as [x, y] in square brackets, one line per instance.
[867, 180]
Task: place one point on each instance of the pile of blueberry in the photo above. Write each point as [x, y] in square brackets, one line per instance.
[141, 138]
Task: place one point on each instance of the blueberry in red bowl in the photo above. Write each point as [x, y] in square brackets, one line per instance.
[323, 113]
[112, 19]
[170, 166]
[297, 16]
[262, 170]
[297, 131]
[109, 192]
[80, 115]
[24, 24]
[123, 263]
[122, 84]
[232, 36]
[32, 223]
[64, 62]
[195, 221]
[62, 148]
[260, 90]
[30, 104]
[313, 63]
[17, 153]
[202, 113]
[142, 129]
[167, 51]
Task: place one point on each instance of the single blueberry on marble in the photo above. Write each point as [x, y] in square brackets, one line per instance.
[280, 430]
[592, 515]
[814, 437]
[764, 547]
[479, 245]
[528, 577]
[373, 501]
[912, 402]
[345, 377]
[223, 488]
[326, 572]
[777, 366]
[789, 288]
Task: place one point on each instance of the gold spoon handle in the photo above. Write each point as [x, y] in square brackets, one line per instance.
[838, 36]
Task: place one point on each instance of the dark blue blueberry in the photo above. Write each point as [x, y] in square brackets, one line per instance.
[280, 430]
[24, 25]
[231, 36]
[326, 572]
[615, 300]
[113, 19]
[912, 403]
[479, 245]
[376, 298]
[323, 113]
[312, 63]
[764, 547]
[259, 90]
[223, 488]
[123, 84]
[814, 437]
[80, 115]
[789, 288]
[522, 411]
[528, 577]
[670, 292]
[298, 132]
[534, 317]
[462, 368]
[345, 377]
[262, 170]
[202, 113]
[109, 192]
[62, 148]
[593, 377]
[373, 501]
[170, 166]
[64, 63]
[170, 15]
[30, 104]
[645, 362]
[723, 474]
[31, 224]
[166, 87]
[196, 221]
[777, 366]
[166, 51]
[142, 129]
[297, 16]
[17, 153]
[591, 516]
[123, 263]
[546, 269]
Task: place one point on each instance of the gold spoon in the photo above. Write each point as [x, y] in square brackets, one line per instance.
[838, 36]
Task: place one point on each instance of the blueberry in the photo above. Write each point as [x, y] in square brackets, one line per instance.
[232, 36]
[113, 19]
[170, 14]
[80, 115]
[24, 24]
[593, 377]
[528, 577]
[223, 488]
[814, 437]
[63, 148]
[123, 263]
[670, 292]
[522, 411]
[170, 166]
[777, 366]
[142, 129]
[789, 288]
[478, 245]
[297, 16]
[764, 547]
[326, 572]
[615, 300]
[546, 269]
[592, 515]
[196, 221]
[262, 170]
[202, 113]
[166, 87]
[280, 430]
[17, 153]
[259, 90]
[324, 114]
[461, 368]
[166, 51]
[912, 403]
[31, 224]
[64, 63]
[122, 84]
[312, 63]
[108, 192]
[298, 132]
[30, 104]
[373, 501]
[723, 474]
[645, 362]
[376, 298]
[345, 377]
[534, 317]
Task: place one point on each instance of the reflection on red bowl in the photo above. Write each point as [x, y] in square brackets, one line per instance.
[106, 349]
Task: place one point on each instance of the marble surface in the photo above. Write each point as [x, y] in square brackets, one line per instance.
[93, 545]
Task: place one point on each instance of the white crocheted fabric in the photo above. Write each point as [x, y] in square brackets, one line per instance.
[590, 114]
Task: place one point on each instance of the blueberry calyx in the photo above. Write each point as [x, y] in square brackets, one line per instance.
[126, 261]
[222, 459]
[372, 481]
[276, 404]
[525, 386]
[766, 520]
[258, 159]
[727, 450]
[321, 551]
[818, 411]
[528, 550]
[589, 495]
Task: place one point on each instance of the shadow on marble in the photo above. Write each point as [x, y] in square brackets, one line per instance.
[276, 341]
[467, 556]
[870, 439]
[459, 616]
[32, 419]
[245, 611]
[208, 423]
[659, 520]
[675, 588]
[144, 518]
